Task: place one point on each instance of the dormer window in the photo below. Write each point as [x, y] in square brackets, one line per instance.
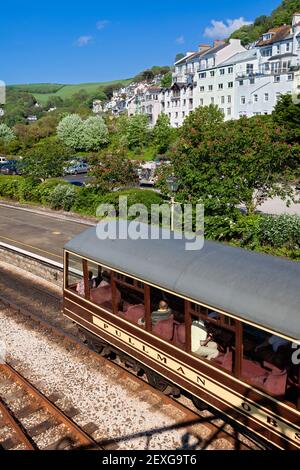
[267, 36]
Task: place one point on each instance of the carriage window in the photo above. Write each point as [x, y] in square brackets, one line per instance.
[267, 363]
[167, 316]
[211, 341]
[75, 278]
[99, 285]
[131, 299]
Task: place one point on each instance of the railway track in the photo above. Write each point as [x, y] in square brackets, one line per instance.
[26, 414]
[213, 430]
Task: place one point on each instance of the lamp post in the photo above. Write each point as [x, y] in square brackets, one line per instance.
[173, 185]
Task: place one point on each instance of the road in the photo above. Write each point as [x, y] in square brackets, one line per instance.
[40, 234]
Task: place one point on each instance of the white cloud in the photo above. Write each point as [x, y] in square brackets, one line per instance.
[221, 29]
[83, 41]
[102, 24]
[180, 40]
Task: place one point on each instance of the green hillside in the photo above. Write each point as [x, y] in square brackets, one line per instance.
[43, 91]
[281, 15]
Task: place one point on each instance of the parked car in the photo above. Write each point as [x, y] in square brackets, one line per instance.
[76, 169]
[10, 168]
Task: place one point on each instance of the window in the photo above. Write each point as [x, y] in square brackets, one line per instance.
[266, 96]
[249, 69]
[241, 82]
[212, 100]
[212, 73]
[176, 115]
[252, 81]
[243, 100]
[267, 364]
[222, 111]
[290, 77]
[201, 102]
[222, 99]
[202, 89]
[230, 85]
[220, 86]
[210, 87]
[278, 49]
[75, 278]
[183, 114]
[202, 75]
[229, 99]
[230, 69]
[288, 46]
[255, 98]
[222, 71]
[212, 336]
[277, 78]
[167, 316]
[228, 111]
[267, 52]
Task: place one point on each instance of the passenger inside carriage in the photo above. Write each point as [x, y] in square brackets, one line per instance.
[202, 341]
[102, 295]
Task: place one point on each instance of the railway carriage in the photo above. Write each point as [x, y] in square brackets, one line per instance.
[248, 302]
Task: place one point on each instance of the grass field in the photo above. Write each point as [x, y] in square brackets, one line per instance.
[42, 91]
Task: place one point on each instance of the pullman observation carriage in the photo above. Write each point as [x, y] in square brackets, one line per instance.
[248, 303]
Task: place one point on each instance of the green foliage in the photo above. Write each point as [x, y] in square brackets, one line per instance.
[114, 170]
[237, 162]
[6, 134]
[44, 88]
[287, 115]
[163, 134]
[9, 186]
[179, 56]
[166, 81]
[149, 74]
[137, 132]
[46, 159]
[280, 16]
[44, 189]
[87, 200]
[279, 231]
[78, 134]
[134, 196]
[62, 197]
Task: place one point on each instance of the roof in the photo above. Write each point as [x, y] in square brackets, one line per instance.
[280, 33]
[250, 54]
[255, 287]
[282, 56]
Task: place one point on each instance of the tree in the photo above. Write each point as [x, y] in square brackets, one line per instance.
[287, 115]
[95, 133]
[70, 131]
[163, 134]
[45, 160]
[78, 134]
[238, 162]
[137, 132]
[6, 134]
[113, 171]
[179, 56]
[166, 81]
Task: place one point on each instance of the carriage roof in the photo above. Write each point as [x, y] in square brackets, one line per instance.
[255, 287]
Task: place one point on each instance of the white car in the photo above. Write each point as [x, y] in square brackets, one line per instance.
[3, 160]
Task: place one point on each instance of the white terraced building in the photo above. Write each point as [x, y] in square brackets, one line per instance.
[240, 82]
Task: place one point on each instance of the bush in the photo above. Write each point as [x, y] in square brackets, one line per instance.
[62, 197]
[134, 196]
[9, 186]
[44, 189]
[28, 190]
[280, 231]
[87, 201]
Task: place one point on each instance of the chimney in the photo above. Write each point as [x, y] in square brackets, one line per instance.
[203, 47]
[296, 19]
[219, 42]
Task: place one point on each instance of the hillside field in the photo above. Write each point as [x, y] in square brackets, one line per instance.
[42, 91]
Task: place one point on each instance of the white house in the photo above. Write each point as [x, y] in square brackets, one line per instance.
[273, 74]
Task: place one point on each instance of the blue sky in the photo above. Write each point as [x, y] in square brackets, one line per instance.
[93, 41]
